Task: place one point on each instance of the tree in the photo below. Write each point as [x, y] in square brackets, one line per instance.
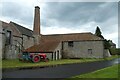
[107, 44]
[98, 32]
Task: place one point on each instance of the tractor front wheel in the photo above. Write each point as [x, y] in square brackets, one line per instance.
[35, 58]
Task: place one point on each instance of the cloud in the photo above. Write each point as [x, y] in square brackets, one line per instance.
[17, 12]
[20, 11]
[78, 13]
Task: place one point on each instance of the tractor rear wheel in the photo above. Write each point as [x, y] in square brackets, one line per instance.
[46, 60]
[36, 58]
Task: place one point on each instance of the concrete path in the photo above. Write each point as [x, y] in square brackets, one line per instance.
[61, 71]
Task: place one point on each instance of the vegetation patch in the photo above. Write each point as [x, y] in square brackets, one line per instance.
[109, 72]
[115, 51]
[15, 63]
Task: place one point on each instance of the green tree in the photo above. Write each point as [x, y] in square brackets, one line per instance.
[98, 32]
[107, 44]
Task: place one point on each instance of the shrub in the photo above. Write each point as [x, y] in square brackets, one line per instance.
[115, 51]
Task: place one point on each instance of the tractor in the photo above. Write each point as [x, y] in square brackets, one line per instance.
[34, 57]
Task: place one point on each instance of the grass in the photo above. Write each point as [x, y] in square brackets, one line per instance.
[16, 63]
[0, 63]
[109, 72]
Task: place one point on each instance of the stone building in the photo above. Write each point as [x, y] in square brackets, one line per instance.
[74, 45]
[17, 39]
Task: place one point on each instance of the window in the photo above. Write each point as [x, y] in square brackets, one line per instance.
[8, 37]
[89, 51]
[70, 44]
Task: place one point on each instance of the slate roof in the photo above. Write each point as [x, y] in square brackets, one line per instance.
[71, 37]
[48, 46]
[48, 43]
[23, 30]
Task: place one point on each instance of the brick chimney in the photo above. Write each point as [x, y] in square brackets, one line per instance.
[36, 25]
[36, 28]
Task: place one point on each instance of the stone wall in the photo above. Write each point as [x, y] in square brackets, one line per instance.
[3, 44]
[49, 55]
[10, 51]
[84, 49]
[1, 40]
[57, 53]
[18, 43]
[27, 41]
[0, 46]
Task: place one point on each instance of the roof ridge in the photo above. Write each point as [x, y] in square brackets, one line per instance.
[67, 34]
[4, 22]
[20, 26]
[23, 30]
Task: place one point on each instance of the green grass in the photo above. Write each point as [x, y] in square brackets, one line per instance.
[0, 63]
[16, 63]
[109, 72]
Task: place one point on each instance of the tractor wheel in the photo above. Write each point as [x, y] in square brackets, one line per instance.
[35, 58]
[46, 60]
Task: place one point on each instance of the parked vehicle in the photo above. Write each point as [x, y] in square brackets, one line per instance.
[34, 57]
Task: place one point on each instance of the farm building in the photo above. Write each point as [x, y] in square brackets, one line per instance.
[75, 45]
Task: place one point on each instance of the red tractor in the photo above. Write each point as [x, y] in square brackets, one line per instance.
[34, 57]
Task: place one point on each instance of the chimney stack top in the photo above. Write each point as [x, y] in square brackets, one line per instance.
[37, 7]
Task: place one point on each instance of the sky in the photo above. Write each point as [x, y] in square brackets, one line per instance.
[64, 16]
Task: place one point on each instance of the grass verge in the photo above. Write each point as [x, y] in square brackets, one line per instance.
[16, 63]
[109, 72]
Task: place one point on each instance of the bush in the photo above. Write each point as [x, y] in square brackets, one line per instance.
[115, 51]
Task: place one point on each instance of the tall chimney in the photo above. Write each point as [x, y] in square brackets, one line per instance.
[36, 28]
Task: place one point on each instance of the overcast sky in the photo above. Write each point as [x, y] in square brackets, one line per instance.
[64, 17]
